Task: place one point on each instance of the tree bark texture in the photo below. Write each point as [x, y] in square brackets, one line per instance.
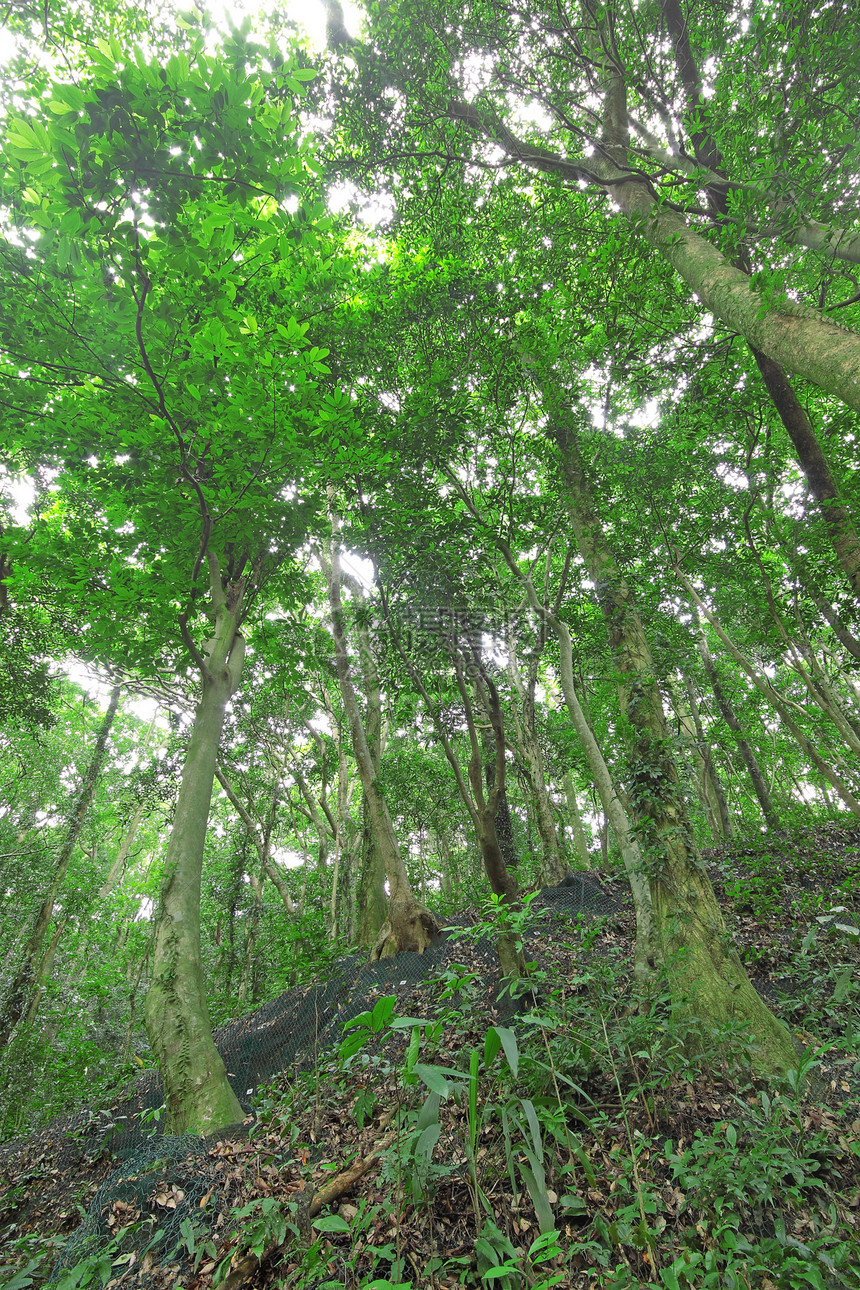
[705, 972]
[197, 1094]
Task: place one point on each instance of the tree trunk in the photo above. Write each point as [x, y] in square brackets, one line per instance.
[197, 1093]
[371, 901]
[44, 973]
[705, 972]
[503, 825]
[715, 788]
[262, 843]
[791, 412]
[757, 779]
[251, 939]
[118, 866]
[444, 861]
[802, 340]
[707, 783]
[813, 462]
[765, 688]
[409, 926]
[17, 1000]
[647, 950]
[344, 909]
[552, 867]
[580, 841]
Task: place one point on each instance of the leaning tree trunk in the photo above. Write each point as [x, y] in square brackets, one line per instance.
[750, 760]
[763, 685]
[197, 1093]
[409, 925]
[810, 455]
[25, 979]
[705, 972]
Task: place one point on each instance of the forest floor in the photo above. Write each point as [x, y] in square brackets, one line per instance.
[569, 1141]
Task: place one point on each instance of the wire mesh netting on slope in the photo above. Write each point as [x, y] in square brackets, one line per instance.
[166, 1182]
[304, 1024]
[136, 1218]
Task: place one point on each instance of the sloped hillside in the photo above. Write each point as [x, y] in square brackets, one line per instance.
[428, 1127]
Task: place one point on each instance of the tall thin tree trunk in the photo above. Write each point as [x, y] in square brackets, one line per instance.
[257, 884]
[707, 782]
[765, 688]
[372, 902]
[262, 841]
[409, 926]
[197, 1093]
[552, 868]
[44, 973]
[575, 820]
[750, 760]
[647, 953]
[716, 792]
[118, 867]
[17, 1000]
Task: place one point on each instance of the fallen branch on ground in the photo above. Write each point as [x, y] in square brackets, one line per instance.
[249, 1263]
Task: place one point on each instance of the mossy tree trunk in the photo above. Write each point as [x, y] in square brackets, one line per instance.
[705, 971]
[197, 1094]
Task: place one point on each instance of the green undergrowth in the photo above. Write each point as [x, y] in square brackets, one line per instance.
[574, 1137]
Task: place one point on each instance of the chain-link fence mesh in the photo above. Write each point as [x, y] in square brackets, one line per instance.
[135, 1219]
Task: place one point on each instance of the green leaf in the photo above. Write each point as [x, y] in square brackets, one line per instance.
[429, 1113]
[382, 1012]
[23, 1278]
[539, 1197]
[436, 1079]
[508, 1041]
[426, 1143]
[331, 1223]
